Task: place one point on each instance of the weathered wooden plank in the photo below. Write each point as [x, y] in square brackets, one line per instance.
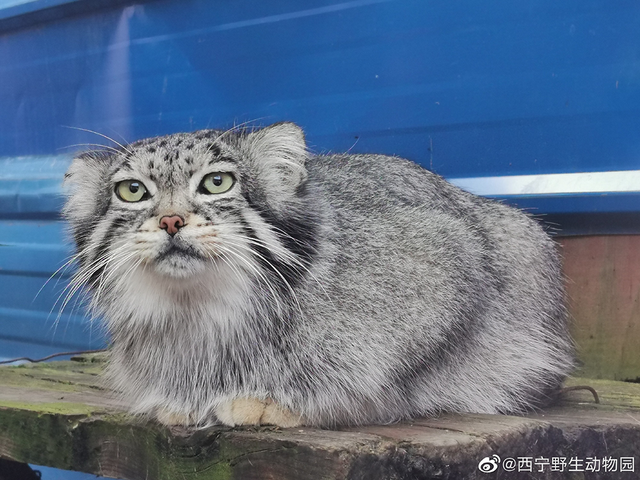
[62, 417]
[603, 286]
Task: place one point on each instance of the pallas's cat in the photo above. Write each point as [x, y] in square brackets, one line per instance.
[244, 280]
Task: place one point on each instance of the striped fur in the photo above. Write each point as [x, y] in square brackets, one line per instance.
[347, 289]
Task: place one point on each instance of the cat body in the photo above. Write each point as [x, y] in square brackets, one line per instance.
[324, 290]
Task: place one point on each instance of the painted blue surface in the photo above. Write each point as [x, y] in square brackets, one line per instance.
[465, 88]
[14, 8]
[35, 317]
[48, 473]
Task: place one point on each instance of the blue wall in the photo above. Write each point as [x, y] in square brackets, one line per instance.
[36, 319]
[465, 87]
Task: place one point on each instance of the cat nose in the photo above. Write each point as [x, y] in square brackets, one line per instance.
[171, 224]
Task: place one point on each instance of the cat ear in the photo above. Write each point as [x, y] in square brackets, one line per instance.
[86, 186]
[279, 153]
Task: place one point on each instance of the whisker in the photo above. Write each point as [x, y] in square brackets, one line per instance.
[229, 264]
[282, 251]
[260, 274]
[226, 132]
[237, 127]
[80, 278]
[120, 135]
[101, 135]
[273, 267]
[115, 150]
[64, 266]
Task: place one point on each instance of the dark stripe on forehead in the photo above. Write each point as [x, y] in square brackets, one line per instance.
[171, 156]
[201, 134]
[126, 165]
[213, 149]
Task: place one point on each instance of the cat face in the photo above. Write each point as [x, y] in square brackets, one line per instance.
[192, 206]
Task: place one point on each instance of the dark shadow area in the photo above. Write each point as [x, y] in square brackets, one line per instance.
[10, 470]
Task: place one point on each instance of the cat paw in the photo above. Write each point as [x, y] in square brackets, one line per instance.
[275, 414]
[169, 418]
[252, 411]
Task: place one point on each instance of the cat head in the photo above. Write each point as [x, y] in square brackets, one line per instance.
[215, 203]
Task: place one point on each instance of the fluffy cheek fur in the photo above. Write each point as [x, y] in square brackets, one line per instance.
[151, 277]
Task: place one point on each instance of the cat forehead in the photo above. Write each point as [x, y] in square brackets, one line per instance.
[182, 153]
[208, 142]
[186, 141]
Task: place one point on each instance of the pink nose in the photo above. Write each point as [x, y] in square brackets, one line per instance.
[172, 224]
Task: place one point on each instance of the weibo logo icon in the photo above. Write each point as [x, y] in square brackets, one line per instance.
[489, 464]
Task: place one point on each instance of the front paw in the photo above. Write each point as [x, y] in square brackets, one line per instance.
[169, 418]
[275, 414]
[252, 411]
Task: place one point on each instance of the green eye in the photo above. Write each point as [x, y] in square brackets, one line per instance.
[130, 190]
[217, 182]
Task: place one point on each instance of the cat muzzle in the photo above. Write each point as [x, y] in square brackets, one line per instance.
[171, 224]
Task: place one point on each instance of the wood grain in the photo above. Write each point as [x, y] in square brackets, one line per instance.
[62, 417]
[603, 287]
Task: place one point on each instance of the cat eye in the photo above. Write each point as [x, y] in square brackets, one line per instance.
[131, 190]
[217, 182]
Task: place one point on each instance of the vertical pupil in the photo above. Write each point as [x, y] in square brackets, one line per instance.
[134, 187]
[217, 180]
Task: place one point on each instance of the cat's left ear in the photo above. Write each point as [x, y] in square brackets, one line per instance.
[279, 153]
[87, 187]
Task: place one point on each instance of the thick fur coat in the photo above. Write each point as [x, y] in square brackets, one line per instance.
[322, 290]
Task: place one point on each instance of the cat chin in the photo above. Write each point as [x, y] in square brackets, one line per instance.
[179, 266]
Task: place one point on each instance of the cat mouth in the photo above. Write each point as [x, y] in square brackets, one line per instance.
[178, 249]
[179, 260]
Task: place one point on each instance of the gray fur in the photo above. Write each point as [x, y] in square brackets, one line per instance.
[348, 288]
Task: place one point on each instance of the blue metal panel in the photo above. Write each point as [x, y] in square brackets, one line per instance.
[32, 247]
[465, 88]
[14, 8]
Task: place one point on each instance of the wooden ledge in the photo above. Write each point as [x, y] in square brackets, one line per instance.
[57, 415]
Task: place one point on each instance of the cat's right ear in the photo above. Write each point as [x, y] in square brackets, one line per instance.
[87, 187]
[279, 153]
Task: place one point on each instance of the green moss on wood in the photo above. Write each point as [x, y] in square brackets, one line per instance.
[60, 376]
[80, 437]
[61, 408]
[23, 432]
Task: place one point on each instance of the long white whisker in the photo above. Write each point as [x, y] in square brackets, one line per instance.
[283, 252]
[80, 279]
[275, 270]
[111, 268]
[115, 150]
[64, 266]
[210, 251]
[229, 130]
[257, 271]
[236, 127]
[103, 136]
